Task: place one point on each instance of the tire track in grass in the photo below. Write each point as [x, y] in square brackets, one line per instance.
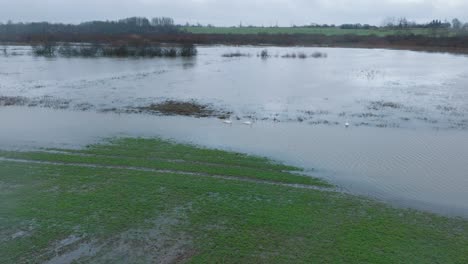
[143, 169]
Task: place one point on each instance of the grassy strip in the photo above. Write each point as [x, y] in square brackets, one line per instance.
[138, 153]
[276, 176]
[123, 216]
[156, 148]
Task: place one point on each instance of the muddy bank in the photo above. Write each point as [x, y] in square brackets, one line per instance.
[168, 108]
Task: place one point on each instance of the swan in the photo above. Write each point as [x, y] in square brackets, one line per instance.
[227, 122]
[346, 124]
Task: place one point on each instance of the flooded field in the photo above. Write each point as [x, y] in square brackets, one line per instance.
[364, 87]
[408, 111]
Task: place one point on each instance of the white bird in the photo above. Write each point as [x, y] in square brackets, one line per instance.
[346, 124]
[227, 122]
[247, 123]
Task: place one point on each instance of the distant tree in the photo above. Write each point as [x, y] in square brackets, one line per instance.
[389, 22]
[438, 24]
[465, 26]
[403, 22]
[457, 24]
[162, 22]
[132, 25]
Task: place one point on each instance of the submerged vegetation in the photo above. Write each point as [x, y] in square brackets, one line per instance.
[265, 54]
[97, 50]
[235, 54]
[303, 55]
[154, 201]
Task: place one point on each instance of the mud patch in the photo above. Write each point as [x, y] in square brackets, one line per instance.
[190, 108]
[160, 242]
[45, 101]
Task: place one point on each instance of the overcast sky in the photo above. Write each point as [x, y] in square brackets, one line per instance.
[232, 12]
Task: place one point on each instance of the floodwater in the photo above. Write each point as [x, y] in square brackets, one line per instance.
[407, 142]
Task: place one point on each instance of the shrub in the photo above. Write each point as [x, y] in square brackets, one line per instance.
[319, 55]
[302, 55]
[46, 49]
[264, 54]
[188, 51]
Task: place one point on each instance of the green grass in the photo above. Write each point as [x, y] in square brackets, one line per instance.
[305, 30]
[116, 215]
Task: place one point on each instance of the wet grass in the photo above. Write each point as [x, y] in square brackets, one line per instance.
[100, 214]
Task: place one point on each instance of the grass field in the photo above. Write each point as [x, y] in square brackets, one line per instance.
[305, 30]
[154, 201]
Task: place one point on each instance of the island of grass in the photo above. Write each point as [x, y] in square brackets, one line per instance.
[155, 201]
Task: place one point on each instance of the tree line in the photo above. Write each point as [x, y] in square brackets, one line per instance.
[132, 25]
[435, 23]
[388, 23]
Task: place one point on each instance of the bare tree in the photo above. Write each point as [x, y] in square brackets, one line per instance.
[457, 24]
[403, 22]
[162, 22]
[389, 22]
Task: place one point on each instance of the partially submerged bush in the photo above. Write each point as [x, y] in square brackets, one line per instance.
[170, 52]
[188, 50]
[302, 55]
[289, 56]
[46, 49]
[124, 50]
[264, 54]
[319, 55]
